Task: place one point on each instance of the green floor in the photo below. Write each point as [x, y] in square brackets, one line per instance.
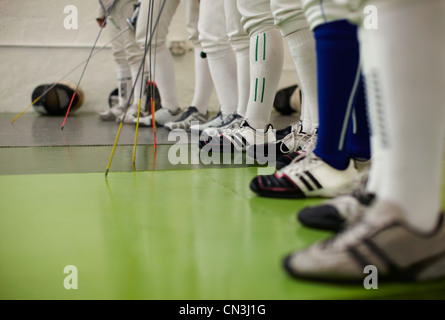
[170, 234]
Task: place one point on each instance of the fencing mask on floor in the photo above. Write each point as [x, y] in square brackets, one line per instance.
[57, 100]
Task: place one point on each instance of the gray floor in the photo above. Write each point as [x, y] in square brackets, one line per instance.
[33, 130]
[35, 144]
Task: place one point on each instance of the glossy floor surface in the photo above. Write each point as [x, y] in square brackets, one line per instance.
[160, 232]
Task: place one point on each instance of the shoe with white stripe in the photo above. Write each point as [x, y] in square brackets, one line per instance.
[232, 121]
[162, 116]
[185, 120]
[381, 239]
[130, 116]
[238, 139]
[295, 140]
[309, 144]
[112, 114]
[216, 122]
[307, 176]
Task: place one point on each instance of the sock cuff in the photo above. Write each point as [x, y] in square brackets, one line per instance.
[300, 38]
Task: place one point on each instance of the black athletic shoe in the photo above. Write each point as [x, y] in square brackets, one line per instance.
[338, 213]
[282, 100]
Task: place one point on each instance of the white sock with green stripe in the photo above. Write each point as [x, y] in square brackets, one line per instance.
[266, 64]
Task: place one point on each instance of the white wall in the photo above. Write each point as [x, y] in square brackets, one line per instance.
[35, 49]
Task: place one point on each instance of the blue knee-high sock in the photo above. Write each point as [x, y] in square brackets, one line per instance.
[338, 71]
[358, 141]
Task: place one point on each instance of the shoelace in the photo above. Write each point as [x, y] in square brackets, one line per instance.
[310, 144]
[295, 138]
[232, 130]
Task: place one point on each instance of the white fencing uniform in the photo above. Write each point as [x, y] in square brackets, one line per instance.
[162, 60]
[127, 53]
[221, 34]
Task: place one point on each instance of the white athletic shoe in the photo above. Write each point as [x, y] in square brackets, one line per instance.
[306, 176]
[238, 139]
[381, 239]
[214, 123]
[131, 115]
[306, 146]
[293, 141]
[310, 144]
[162, 116]
[230, 122]
[185, 120]
[112, 114]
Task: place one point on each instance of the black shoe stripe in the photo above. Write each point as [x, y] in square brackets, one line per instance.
[392, 268]
[315, 181]
[240, 140]
[244, 140]
[359, 258]
[307, 184]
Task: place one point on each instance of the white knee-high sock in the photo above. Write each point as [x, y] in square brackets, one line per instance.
[222, 66]
[243, 75]
[302, 48]
[369, 63]
[409, 78]
[124, 83]
[140, 87]
[203, 83]
[266, 66]
[164, 76]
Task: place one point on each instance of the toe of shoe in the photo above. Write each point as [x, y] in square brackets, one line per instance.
[325, 217]
[273, 187]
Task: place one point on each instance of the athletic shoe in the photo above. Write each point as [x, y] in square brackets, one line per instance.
[308, 147]
[185, 120]
[238, 139]
[131, 115]
[282, 101]
[307, 176]
[112, 114]
[381, 239]
[286, 159]
[232, 121]
[217, 121]
[162, 116]
[293, 141]
[338, 213]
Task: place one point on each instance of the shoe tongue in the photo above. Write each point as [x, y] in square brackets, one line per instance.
[237, 116]
[245, 124]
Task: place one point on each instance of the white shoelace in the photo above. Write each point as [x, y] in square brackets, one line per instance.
[310, 144]
[295, 138]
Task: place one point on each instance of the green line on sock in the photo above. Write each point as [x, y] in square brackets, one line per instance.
[256, 88]
[264, 47]
[264, 85]
[256, 51]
